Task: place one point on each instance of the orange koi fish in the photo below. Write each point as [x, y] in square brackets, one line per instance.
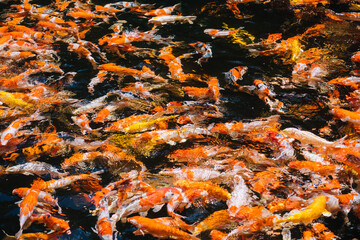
[104, 113]
[280, 205]
[352, 82]
[56, 224]
[312, 167]
[216, 220]
[159, 230]
[235, 74]
[213, 190]
[79, 157]
[346, 115]
[87, 15]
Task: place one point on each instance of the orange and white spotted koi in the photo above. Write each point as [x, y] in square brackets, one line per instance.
[214, 33]
[235, 74]
[156, 199]
[83, 122]
[103, 225]
[162, 11]
[15, 126]
[27, 206]
[62, 182]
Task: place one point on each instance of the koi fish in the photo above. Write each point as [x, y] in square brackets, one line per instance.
[83, 122]
[149, 226]
[156, 199]
[62, 182]
[27, 206]
[163, 11]
[129, 4]
[220, 32]
[103, 225]
[239, 196]
[346, 116]
[55, 224]
[306, 137]
[235, 74]
[203, 49]
[216, 220]
[311, 212]
[213, 190]
[79, 158]
[162, 20]
[35, 168]
[192, 174]
[15, 126]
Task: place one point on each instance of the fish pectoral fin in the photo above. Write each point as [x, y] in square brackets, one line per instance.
[139, 232]
[157, 208]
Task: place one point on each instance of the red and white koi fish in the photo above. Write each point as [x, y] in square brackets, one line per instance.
[156, 199]
[15, 126]
[27, 206]
[220, 32]
[203, 49]
[162, 11]
[286, 151]
[103, 225]
[62, 182]
[235, 74]
[83, 122]
[162, 20]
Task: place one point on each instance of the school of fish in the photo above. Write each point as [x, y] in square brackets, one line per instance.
[224, 119]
